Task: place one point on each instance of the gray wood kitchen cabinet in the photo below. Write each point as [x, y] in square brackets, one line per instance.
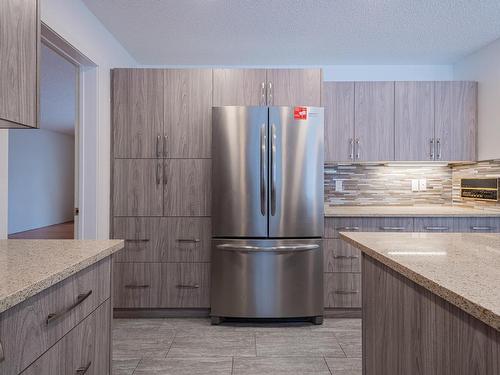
[137, 187]
[19, 50]
[187, 187]
[239, 87]
[342, 290]
[414, 121]
[374, 121]
[137, 110]
[338, 101]
[339, 256]
[278, 87]
[188, 113]
[456, 120]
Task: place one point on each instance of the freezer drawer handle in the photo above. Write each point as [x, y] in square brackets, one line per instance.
[263, 162]
[282, 249]
[193, 240]
[482, 228]
[392, 228]
[346, 257]
[187, 286]
[54, 316]
[343, 291]
[437, 228]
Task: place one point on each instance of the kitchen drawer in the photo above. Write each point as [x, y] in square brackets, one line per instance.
[344, 224]
[339, 256]
[478, 224]
[84, 350]
[167, 239]
[434, 224]
[38, 323]
[342, 290]
[161, 285]
[390, 224]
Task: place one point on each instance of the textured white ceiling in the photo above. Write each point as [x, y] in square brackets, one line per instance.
[299, 32]
[57, 92]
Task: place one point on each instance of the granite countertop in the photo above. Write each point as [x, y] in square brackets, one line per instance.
[407, 211]
[461, 268]
[28, 267]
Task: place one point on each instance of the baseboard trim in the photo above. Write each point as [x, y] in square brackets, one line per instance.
[343, 313]
[160, 313]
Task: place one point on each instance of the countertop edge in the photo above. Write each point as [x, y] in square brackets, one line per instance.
[486, 316]
[460, 215]
[24, 294]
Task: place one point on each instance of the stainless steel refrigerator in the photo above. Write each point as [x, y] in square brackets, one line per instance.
[267, 212]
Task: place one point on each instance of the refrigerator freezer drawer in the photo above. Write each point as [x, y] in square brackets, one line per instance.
[267, 278]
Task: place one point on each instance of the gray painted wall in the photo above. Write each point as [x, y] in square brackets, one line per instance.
[41, 179]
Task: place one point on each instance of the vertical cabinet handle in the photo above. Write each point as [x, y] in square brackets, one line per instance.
[263, 162]
[273, 170]
[270, 100]
[357, 148]
[438, 152]
[263, 93]
[83, 370]
[2, 354]
[164, 146]
[158, 172]
[158, 146]
[351, 149]
[431, 154]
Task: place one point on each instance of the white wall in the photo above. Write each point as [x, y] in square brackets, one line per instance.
[41, 179]
[4, 170]
[74, 22]
[484, 66]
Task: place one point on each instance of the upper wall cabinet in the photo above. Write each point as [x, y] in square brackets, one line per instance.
[188, 113]
[456, 121]
[138, 113]
[19, 49]
[279, 87]
[374, 121]
[414, 121]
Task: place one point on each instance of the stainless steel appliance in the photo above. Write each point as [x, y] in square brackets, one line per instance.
[267, 213]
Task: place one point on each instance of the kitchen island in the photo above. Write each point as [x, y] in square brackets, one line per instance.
[431, 302]
[55, 306]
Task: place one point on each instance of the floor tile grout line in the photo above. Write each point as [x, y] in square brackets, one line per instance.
[138, 363]
[232, 366]
[172, 343]
[328, 367]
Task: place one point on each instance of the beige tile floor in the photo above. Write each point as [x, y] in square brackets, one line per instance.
[193, 346]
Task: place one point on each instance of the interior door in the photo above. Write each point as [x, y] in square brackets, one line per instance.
[296, 172]
[239, 171]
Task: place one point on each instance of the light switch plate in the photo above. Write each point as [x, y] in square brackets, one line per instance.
[414, 185]
[422, 184]
[339, 185]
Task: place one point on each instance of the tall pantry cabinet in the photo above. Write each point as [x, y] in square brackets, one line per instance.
[161, 173]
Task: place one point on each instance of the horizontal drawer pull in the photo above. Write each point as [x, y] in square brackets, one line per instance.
[347, 228]
[54, 316]
[187, 286]
[342, 291]
[437, 228]
[2, 354]
[193, 240]
[137, 240]
[482, 228]
[392, 228]
[346, 256]
[83, 370]
[140, 286]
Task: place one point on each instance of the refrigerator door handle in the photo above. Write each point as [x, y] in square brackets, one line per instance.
[273, 169]
[263, 162]
[275, 249]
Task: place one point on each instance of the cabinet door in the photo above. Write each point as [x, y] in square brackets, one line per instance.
[342, 290]
[414, 121]
[338, 100]
[374, 121]
[188, 113]
[185, 285]
[137, 285]
[185, 239]
[456, 121]
[137, 113]
[289, 87]
[142, 237]
[19, 45]
[187, 187]
[137, 188]
[239, 87]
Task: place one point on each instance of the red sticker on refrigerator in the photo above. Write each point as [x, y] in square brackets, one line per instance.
[300, 113]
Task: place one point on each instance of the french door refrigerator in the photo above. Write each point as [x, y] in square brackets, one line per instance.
[267, 213]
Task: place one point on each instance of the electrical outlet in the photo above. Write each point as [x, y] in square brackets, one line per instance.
[414, 185]
[339, 185]
[422, 184]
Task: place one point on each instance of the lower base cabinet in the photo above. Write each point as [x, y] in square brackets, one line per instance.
[84, 350]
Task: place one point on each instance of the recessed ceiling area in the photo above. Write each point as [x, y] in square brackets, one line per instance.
[57, 92]
[308, 32]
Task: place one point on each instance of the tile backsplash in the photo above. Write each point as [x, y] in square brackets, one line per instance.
[375, 185]
[365, 185]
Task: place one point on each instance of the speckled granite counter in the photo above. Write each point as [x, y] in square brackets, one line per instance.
[28, 267]
[461, 268]
[407, 211]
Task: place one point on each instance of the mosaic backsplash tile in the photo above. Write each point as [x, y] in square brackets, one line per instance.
[479, 170]
[365, 185]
